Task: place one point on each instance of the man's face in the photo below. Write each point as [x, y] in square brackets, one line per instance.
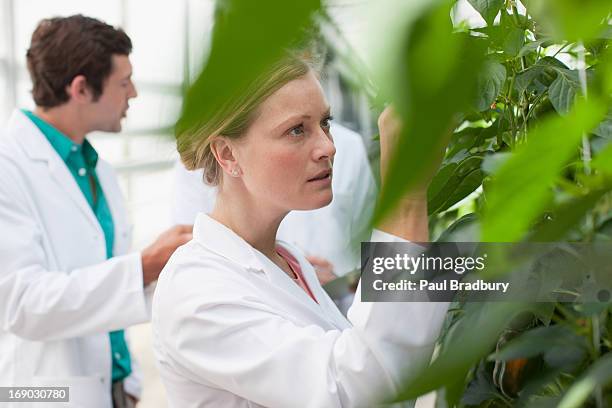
[117, 90]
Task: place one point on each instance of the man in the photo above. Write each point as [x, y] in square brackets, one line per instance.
[330, 236]
[68, 285]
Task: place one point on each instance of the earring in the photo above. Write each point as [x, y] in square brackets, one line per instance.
[235, 173]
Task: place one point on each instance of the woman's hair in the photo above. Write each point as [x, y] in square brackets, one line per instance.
[234, 118]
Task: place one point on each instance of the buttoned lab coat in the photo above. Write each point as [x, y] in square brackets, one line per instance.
[59, 295]
[231, 329]
[333, 232]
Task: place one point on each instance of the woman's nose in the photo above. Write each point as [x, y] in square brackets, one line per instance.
[325, 146]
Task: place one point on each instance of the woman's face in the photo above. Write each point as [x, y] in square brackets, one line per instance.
[286, 155]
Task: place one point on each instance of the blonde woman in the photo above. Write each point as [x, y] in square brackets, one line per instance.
[239, 318]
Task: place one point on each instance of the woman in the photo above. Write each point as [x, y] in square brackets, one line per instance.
[239, 319]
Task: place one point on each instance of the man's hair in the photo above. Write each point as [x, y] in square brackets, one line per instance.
[65, 47]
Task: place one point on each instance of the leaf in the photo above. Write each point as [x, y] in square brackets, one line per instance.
[530, 47]
[465, 347]
[440, 179]
[605, 127]
[540, 75]
[603, 161]
[516, 195]
[598, 375]
[488, 9]
[570, 20]
[489, 83]
[550, 341]
[453, 183]
[565, 216]
[429, 108]
[471, 181]
[465, 229]
[513, 41]
[492, 162]
[481, 388]
[562, 92]
[256, 32]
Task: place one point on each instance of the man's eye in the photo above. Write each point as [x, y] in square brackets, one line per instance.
[297, 131]
[326, 123]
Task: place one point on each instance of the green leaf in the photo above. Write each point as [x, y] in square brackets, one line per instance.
[562, 92]
[481, 388]
[530, 47]
[569, 19]
[441, 179]
[244, 31]
[489, 83]
[429, 108]
[492, 162]
[453, 183]
[544, 340]
[513, 42]
[540, 75]
[565, 216]
[605, 127]
[488, 9]
[464, 348]
[603, 161]
[517, 195]
[465, 229]
[598, 375]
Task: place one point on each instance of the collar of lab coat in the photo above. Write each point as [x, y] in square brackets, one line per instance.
[219, 239]
[223, 241]
[37, 148]
[30, 137]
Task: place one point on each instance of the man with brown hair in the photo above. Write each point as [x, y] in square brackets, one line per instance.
[68, 286]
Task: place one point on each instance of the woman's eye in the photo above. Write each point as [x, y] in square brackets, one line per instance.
[297, 131]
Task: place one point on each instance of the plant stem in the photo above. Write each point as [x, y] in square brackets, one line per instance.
[534, 104]
[510, 109]
[596, 331]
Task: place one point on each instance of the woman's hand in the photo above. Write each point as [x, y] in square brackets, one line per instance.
[390, 128]
[409, 218]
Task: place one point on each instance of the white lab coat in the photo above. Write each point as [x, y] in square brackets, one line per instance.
[59, 296]
[334, 232]
[231, 330]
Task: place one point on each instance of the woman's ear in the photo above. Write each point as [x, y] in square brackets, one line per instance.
[223, 150]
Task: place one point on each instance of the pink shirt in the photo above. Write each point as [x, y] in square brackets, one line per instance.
[295, 267]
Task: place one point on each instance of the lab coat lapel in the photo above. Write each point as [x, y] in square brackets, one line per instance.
[223, 241]
[331, 311]
[277, 277]
[37, 148]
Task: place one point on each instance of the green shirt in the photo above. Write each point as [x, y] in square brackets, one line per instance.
[81, 160]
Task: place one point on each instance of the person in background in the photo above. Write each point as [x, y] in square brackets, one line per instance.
[330, 236]
[68, 283]
[239, 317]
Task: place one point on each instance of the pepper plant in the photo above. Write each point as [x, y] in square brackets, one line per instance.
[530, 159]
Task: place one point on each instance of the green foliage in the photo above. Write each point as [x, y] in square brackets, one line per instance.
[516, 191]
[488, 9]
[241, 50]
[534, 146]
[429, 107]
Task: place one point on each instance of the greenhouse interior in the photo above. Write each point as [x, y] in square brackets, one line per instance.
[341, 203]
